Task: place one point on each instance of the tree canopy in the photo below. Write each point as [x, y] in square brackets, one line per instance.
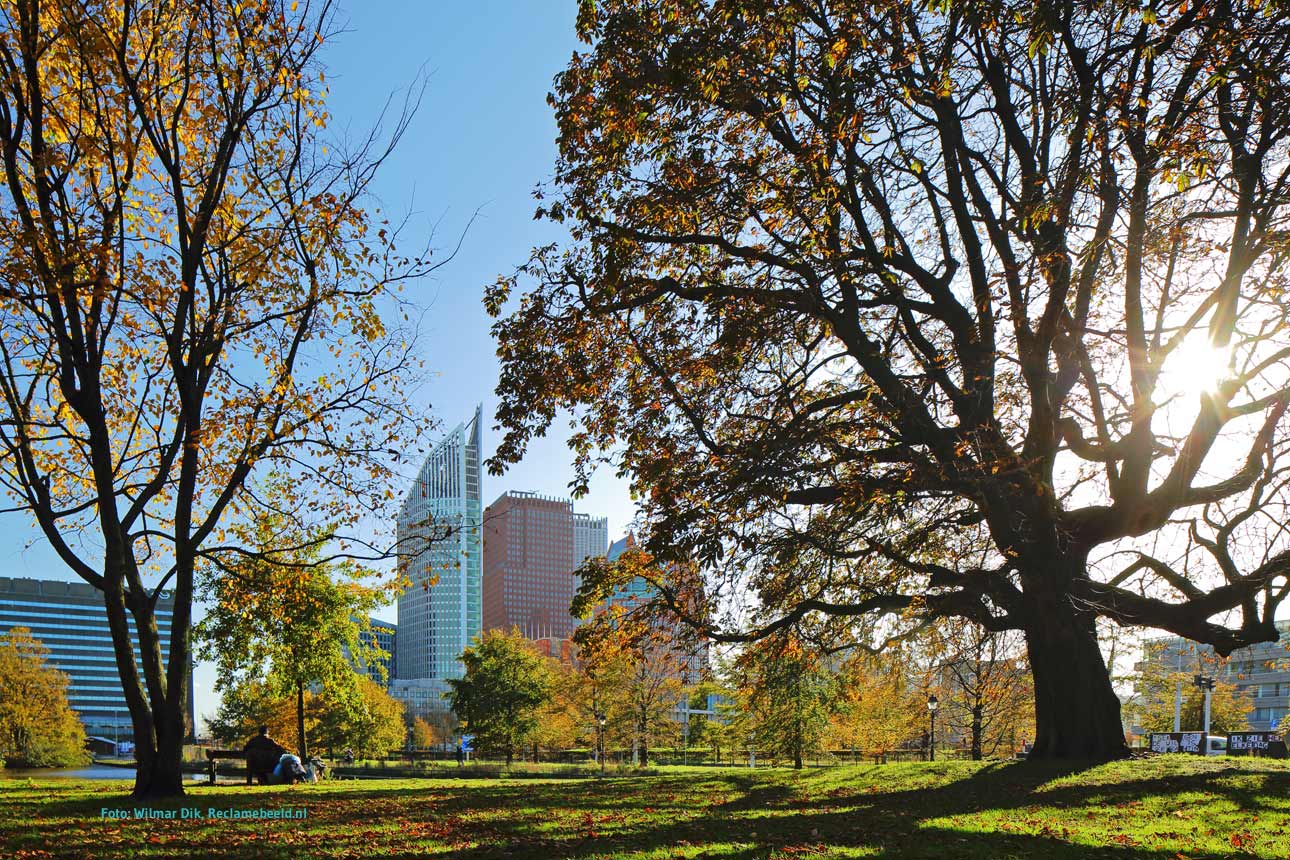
[927, 310]
[189, 286]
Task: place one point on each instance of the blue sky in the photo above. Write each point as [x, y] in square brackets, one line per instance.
[482, 139]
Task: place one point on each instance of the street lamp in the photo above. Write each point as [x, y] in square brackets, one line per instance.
[600, 739]
[1206, 684]
[932, 705]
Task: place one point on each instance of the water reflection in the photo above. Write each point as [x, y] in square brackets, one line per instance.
[94, 771]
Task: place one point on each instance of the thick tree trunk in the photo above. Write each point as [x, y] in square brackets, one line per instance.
[1077, 714]
[159, 758]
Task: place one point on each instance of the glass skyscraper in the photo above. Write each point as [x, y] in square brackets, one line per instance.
[441, 550]
[69, 619]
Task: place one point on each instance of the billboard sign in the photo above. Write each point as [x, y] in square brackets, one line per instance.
[1178, 742]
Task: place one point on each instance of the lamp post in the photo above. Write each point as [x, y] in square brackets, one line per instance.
[600, 740]
[685, 720]
[932, 705]
[1207, 684]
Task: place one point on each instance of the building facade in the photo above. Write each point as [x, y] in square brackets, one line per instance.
[1261, 672]
[634, 591]
[590, 537]
[441, 553]
[382, 634]
[529, 561]
[70, 620]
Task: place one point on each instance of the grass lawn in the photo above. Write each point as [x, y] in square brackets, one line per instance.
[1170, 808]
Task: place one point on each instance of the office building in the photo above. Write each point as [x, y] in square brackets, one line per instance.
[528, 565]
[70, 620]
[1261, 671]
[634, 591]
[441, 553]
[590, 537]
[382, 634]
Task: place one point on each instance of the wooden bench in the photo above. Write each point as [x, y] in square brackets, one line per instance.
[213, 755]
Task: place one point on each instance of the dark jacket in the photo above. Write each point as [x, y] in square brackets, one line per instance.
[262, 755]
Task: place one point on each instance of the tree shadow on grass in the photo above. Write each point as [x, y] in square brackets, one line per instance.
[724, 814]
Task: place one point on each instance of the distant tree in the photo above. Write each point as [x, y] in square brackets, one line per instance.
[281, 612]
[562, 720]
[423, 734]
[787, 694]
[37, 726]
[366, 719]
[849, 281]
[505, 685]
[641, 646]
[877, 709]
[245, 705]
[985, 687]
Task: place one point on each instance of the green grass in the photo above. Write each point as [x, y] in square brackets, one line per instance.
[1164, 808]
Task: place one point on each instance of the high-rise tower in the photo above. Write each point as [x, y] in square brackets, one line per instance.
[441, 547]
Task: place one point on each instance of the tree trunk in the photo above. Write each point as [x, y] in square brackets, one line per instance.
[976, 730]
[510, 754]
[300, 721]
[1077, 714]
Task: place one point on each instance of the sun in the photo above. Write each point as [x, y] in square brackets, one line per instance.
[1195, 367]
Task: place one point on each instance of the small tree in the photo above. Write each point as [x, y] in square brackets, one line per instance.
[787, 694]
[987, 694]
[368, 720]
[423, 734]
[283, 613]
[37, 726]
[248, 704]
[506, 683]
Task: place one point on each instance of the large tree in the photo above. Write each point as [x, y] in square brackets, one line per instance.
[846, 276]
[189, 287]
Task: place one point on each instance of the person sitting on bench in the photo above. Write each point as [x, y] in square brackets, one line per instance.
[263, 754]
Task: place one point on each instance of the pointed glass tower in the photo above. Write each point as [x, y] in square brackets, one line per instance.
[441, 541]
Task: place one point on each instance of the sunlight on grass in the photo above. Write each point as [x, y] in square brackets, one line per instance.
[1154, 809]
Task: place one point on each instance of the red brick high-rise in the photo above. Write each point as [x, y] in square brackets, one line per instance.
[528, 565]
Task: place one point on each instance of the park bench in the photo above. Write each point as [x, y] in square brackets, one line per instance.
[213, 755]
[263, 764]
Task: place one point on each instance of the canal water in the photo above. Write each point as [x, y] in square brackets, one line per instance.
[94, 771]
